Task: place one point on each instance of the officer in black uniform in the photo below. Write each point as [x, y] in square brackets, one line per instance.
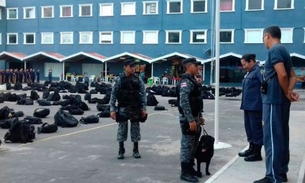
[130, 93]
[190, 108]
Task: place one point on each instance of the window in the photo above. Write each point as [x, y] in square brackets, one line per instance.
[85, 10]
[12, 13]
[287, 34]
[106, 9]
[284, 4]
[173, 37]
[106, 37]
[0, 38]
[66, 11]
[0, 13]
[12, 38]
[29, 12]
[304, 35]
[150, 37]
[227, 5]
[29, 38]
[226, 36]
[47, 38]
[255, 5]
[254, 35]
[198, 6]
[174, 6]
[85, 37]
[127, 37]
[198, 36]
[66, 38]
[150, 7]
[128, 8]
[47, 12]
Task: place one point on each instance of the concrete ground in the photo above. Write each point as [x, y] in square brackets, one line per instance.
[87, 153]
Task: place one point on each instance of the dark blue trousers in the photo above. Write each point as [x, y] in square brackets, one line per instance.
[276, 140]
[253, 126]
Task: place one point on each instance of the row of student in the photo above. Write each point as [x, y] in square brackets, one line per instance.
[14, 75]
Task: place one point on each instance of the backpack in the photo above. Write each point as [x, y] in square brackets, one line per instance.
[20, 132]
[151, 100]
[89, 119]
[34, 95]
[47, 128]
[103, 107]
[43, 103]
[6, 112]
[41, 112]
[32, 120]
[7, 123]
[65, 119]
[87, 96]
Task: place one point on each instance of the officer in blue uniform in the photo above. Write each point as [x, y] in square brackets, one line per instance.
[277, 89]
[129, 91]
[190, 108]
[251, 103]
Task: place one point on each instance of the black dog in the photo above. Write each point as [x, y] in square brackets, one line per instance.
[204, 153]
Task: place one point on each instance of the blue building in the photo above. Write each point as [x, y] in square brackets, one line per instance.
[163, 32]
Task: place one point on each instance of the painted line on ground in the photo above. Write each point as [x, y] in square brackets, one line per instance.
[76, 132]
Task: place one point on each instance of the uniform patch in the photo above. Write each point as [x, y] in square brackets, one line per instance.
[183, 84]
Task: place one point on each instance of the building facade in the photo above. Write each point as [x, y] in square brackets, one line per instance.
[154, 28]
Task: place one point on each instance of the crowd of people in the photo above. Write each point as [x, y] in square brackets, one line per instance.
[22, 76]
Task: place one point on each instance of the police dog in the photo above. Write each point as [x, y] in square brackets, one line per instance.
[204, 153]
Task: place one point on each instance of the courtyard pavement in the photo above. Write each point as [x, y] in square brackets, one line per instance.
[87, 153]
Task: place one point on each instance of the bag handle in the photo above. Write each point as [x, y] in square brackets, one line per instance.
[39, 108]
[203, 131]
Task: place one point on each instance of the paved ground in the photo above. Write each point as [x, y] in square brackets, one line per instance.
[87, 153]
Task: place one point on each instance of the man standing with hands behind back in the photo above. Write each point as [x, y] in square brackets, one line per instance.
[277, 94]
[190, 108]
[129, 90]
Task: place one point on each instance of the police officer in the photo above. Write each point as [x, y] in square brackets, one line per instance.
[130, 93]
[251, 103]
[190, 108]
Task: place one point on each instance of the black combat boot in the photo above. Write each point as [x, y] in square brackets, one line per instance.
[256, 154]
[185, 173]
[248, 151]
[136, 153]
[263, 180]
[121, 150]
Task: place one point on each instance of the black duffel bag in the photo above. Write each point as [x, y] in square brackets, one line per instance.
[32, 120]
[65, 119]
[90, 119]
[41, 112]
[47, 128]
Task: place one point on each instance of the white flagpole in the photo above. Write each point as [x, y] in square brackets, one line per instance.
[217, 50]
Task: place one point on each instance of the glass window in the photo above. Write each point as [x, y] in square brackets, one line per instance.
[106, 9]
[287, 35]
[0, 13]
[255, 4]
[127, 37]
[128, 8]
[66, 38]
[29, 13]
[226, 36]
[173, 37]
[150, 37]
[226, 5]
[66, 11]
[304, 35]
[150, 7]
[47, 38]
[106, 38]
[85, 37]
[254, 35]
[198, 6]
[29, 38]
[0, 38]
[12, 13]
[12, 38]
[284, 4]
[198, 36]
[174, 6]
[47, 12]
[85, 10]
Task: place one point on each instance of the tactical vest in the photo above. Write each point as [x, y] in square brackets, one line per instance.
[129, 91]
[195, 99]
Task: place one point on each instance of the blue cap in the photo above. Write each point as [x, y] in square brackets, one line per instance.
[190, 60]
[129, 61]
